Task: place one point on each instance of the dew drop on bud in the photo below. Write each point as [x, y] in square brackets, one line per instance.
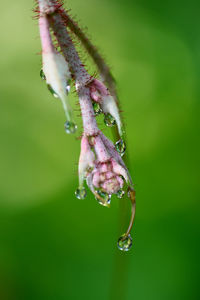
[42, 75]
[89, 169]
[80, 193]
[109, 120]
[124, 243]
[70, 127]
[120, 193]
[120, 146]
[103, 198]
[97, 108]
[51, 90]
[68, 87]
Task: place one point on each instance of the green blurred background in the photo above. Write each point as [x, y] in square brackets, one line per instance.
[55, 247]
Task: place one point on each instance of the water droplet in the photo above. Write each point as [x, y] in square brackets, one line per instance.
[42, 75]
[89, 169]
[68, 86]
[120, 146]
[68, 89]
[52, 91]
[81, 193]
[103, 198]
[120, 193]
[97, 108]
[124, 242]
[109, 120]
[91, 140]
[70, 127]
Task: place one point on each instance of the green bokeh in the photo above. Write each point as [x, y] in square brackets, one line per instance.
[53, 246]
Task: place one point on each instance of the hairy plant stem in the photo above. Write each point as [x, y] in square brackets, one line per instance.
[103, 68]
[81, 76]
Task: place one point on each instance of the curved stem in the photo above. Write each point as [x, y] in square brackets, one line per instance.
[133, 206]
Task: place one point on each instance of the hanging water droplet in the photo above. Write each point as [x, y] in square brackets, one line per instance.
[120, 146]
[109, 120]
[42, 75]
[103, 198]
[70, 127]
[97, 108]
[120, 193]
[51, 90]
[124, 242]
[81, 193]
[68, 86]
[68, 89]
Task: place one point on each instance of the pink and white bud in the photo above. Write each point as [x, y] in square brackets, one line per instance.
[105, 177]
[55, 67]
[56, 71]
[120, 167]
[107, 173]
[86, 160]
[100, 93]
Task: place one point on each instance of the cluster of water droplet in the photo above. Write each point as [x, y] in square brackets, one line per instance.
[124, 243]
